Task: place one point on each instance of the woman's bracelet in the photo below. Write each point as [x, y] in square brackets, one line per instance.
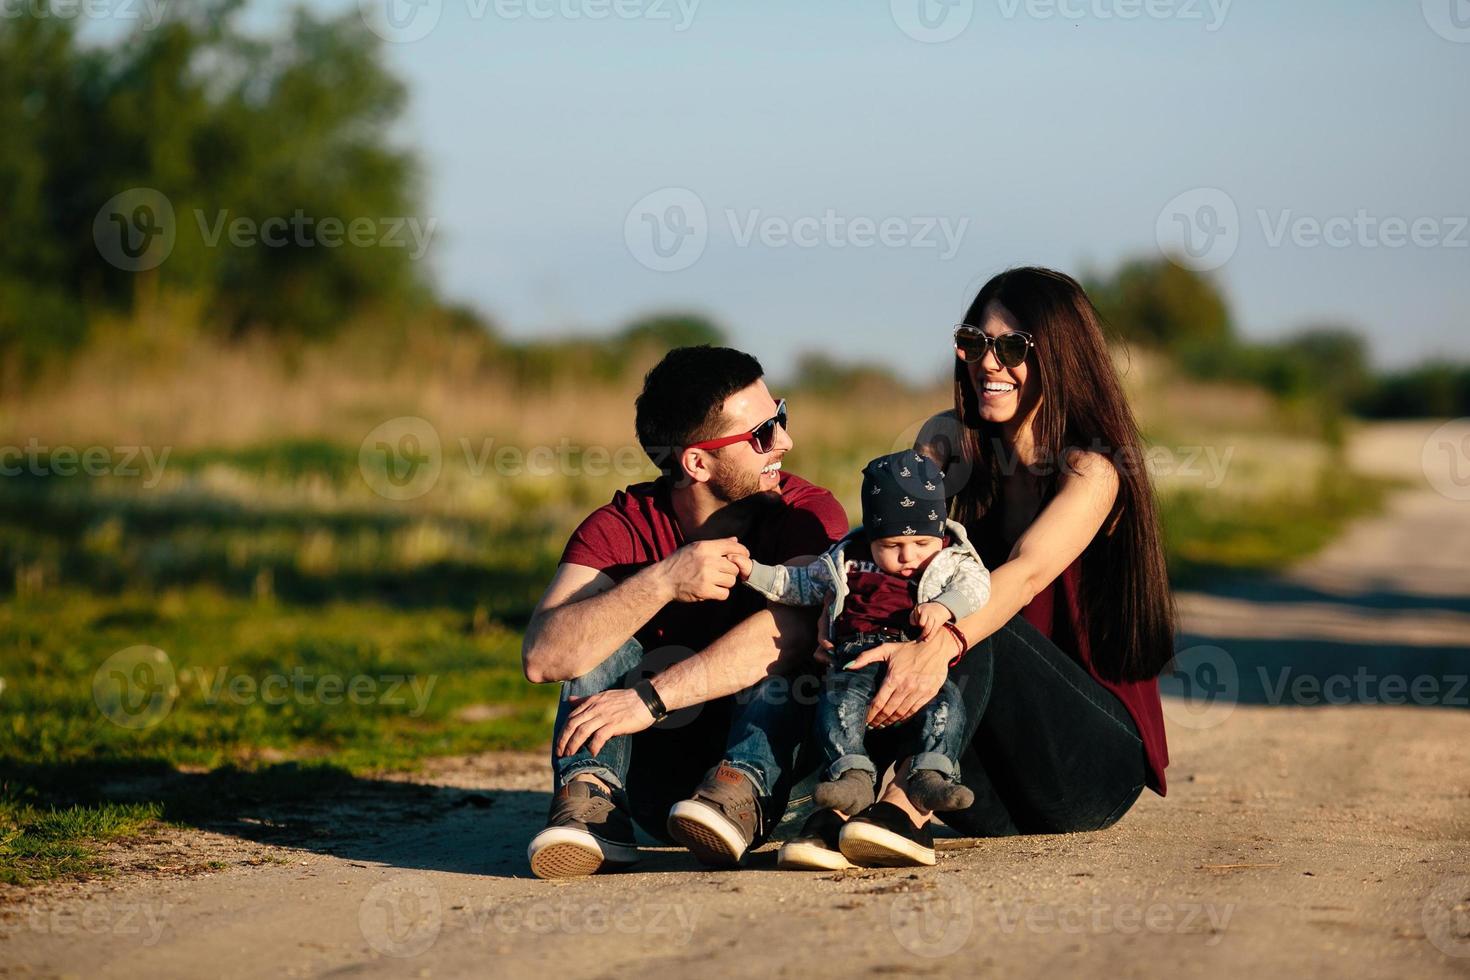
[961, 639]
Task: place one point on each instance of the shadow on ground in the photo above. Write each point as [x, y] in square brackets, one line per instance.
[1322, 671]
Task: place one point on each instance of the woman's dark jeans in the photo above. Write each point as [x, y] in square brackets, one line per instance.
[1051, 749]
[1048, 749]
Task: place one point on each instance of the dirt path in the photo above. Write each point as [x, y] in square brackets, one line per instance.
[1296, 840]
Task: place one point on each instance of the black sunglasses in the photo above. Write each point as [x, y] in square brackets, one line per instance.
[762, 437]
[971, 343]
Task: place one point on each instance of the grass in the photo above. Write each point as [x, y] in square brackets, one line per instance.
[39, 844]
[171, 647]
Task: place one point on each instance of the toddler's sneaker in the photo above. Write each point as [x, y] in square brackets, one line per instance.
[816, 848]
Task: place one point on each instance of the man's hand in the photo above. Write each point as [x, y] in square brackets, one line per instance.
[600, 717]
[703, 569]
[930, 617]
[916, 671]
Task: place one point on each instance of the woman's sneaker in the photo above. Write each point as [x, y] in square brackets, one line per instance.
[585, 833]
[721, 820]
[816, 848]
[883, 836]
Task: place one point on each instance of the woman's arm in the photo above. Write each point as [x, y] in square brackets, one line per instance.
[1061, 532]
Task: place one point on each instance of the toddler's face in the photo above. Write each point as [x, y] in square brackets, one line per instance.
[905, 555]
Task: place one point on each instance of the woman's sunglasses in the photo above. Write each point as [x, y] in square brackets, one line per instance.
[762, 437]
[971, 343]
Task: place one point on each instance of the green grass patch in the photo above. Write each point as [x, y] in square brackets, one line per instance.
[1209, 534]
[38, 844]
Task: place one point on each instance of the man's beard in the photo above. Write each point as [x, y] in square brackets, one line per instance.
[735, 487]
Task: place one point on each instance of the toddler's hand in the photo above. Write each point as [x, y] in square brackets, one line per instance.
[930, 617]
[742, 565]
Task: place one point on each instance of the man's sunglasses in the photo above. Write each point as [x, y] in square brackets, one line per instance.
[971, 343]
[762, 437]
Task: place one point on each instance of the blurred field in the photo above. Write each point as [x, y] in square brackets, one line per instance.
[263, 541]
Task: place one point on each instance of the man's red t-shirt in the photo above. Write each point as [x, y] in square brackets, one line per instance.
[639, 528]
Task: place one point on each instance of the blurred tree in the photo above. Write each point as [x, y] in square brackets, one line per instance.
[1159, 304]
[666, 331]
[294, 130]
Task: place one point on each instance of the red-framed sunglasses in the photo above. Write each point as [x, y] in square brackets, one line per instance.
[762, 437]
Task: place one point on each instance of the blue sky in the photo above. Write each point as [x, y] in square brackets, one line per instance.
[1054, 139]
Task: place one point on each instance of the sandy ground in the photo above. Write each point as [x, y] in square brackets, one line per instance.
[1301, 836]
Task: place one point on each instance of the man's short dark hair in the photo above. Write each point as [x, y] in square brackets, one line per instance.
[684, 396]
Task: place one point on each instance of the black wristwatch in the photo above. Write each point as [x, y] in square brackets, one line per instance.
[651, 700]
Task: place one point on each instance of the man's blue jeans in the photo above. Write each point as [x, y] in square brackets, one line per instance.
[764, 735]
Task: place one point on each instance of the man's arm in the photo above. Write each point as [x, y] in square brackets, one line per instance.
[777, 639]
[584, 617]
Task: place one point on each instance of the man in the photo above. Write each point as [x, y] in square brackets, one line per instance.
[647, 582]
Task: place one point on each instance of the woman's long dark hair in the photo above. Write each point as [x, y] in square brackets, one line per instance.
[1128, 603]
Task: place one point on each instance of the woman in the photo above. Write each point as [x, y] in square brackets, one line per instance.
[1062, 705]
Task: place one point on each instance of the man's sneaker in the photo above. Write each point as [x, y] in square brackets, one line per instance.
[816, 848]
[883, 836]
[719, 822]
[585, 833]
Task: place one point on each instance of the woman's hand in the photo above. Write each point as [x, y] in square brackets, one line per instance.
[916, 672]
